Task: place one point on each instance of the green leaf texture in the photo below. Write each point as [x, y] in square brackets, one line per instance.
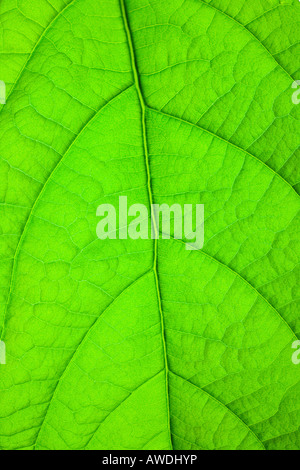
[141, 344]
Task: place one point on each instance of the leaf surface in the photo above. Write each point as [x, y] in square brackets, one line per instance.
[141, 344]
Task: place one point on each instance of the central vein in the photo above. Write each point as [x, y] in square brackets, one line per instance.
[153, 218]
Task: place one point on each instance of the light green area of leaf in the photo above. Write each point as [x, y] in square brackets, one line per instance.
[141, 344]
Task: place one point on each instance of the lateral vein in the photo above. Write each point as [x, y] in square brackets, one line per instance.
[25, 228]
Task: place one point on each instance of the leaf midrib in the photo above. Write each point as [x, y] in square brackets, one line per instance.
[150, 196]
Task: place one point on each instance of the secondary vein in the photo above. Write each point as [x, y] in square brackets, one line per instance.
[24, 231]
[59, 14]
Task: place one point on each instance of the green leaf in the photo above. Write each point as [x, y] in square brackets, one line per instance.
[141, 344]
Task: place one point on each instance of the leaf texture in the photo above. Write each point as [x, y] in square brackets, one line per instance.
[141, 344]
